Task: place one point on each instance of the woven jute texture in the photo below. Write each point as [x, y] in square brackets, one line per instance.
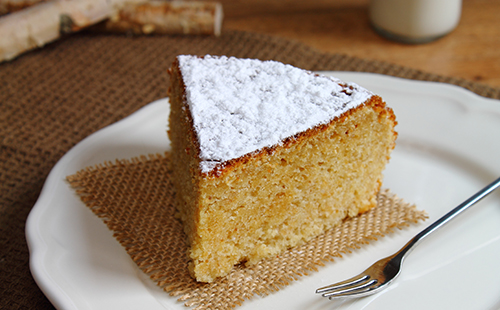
[135, 200]
[52, 98]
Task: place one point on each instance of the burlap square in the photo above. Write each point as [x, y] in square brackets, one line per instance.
[134, 198]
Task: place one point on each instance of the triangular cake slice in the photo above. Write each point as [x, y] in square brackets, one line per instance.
[267, 156]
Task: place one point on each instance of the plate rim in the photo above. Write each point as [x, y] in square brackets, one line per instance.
[38, 247]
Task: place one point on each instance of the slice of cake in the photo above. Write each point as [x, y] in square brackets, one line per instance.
[267, 156]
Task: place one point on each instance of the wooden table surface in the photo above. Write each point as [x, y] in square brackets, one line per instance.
[471, 51]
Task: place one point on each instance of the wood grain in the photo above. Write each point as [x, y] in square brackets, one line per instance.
[471, 51]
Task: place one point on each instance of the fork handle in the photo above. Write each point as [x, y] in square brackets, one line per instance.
[448, 217]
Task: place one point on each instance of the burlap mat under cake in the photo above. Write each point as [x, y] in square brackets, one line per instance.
[52, 98]
[135, 200]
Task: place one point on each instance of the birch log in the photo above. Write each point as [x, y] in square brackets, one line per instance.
[166, 17]
[9, 6]
[40, 24]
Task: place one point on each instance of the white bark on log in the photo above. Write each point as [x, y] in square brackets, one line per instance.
[40, 24]
[9, 6]
[166, 17]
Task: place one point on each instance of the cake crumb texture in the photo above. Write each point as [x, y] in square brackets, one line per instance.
[280, 195]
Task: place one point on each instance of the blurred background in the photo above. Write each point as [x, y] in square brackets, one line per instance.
[470, 51]
[469, 48]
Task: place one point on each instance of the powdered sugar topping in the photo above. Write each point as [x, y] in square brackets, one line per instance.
[240, 106]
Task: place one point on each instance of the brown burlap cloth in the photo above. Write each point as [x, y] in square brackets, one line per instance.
[52, 98]
[135, 200]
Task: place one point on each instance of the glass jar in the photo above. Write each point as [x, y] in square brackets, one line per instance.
[414, 21]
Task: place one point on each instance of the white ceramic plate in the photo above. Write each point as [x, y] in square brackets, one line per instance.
[448, 148]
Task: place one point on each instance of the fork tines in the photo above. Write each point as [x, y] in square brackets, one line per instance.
[353, 287]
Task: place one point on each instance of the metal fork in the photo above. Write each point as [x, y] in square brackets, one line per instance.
[379, 275]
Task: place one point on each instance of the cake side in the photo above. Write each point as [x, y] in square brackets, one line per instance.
[279, 199]
[184, 155]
